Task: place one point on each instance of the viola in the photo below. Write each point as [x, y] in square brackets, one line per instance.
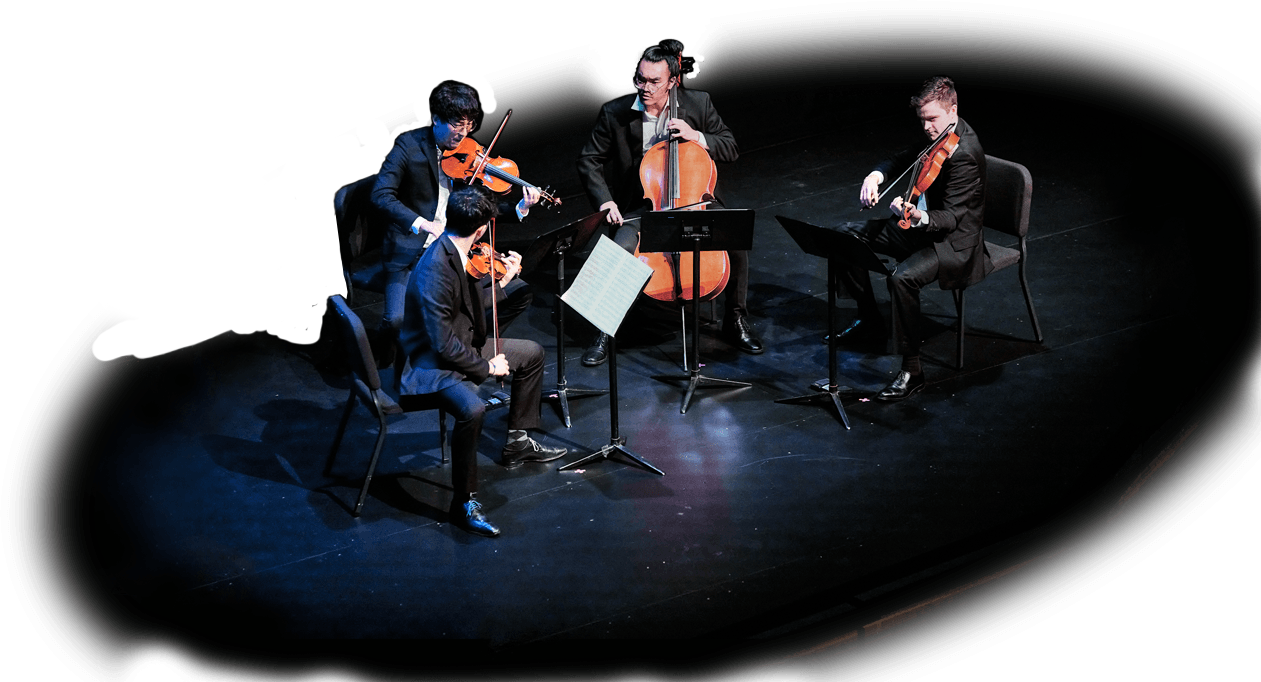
[471, 162]
[929, 167]
[679, 174]
[482, 260]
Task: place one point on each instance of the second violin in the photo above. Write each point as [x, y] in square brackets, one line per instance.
[482, 260]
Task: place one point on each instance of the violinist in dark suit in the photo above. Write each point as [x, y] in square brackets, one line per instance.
[943, 244]
[411, 193]
[608, 167]
[444, 339]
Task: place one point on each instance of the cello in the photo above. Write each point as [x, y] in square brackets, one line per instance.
[680, 175]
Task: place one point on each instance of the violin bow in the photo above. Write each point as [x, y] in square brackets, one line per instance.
[494, 295]
[918, 160]
[481, 164]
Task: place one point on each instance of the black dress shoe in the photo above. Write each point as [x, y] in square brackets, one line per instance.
[597, 352]
[469, 516]
[903, 387]
[529, 450]
[737, 332]
[860, 332]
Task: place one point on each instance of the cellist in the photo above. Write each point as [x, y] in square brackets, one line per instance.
[941, 242]
[608, 167]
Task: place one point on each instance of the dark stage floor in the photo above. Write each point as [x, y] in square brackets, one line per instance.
[198, 510]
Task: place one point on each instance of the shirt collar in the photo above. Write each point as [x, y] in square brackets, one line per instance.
[463, 256]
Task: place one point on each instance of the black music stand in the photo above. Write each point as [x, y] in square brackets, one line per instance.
[558, 242]
[617, 443]
[727, 229]
[837, 247]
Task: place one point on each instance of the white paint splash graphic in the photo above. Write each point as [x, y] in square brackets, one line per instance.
[256, 256]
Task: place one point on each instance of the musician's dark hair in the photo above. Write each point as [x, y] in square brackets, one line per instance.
[936, 89]
[468, 208]
[670, 51]
[453, 101]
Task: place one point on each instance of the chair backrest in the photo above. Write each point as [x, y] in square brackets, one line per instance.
[355, 341]
[358, 229]
[1008, 194]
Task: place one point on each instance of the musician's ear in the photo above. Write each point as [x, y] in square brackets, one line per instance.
[481, 232]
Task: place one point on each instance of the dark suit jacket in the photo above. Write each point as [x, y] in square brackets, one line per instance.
[444, 323]
[406, 188]
[608, 165]
[956, 209]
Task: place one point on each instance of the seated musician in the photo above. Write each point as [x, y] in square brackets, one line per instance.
[608, 167]
[411, 193]
[943, 244]
[444, 339]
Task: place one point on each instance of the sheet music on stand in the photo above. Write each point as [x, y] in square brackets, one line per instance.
[603, 292]
[607, 285]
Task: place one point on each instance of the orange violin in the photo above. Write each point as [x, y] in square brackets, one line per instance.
[471, 162]
[929, 162]
[482, 260]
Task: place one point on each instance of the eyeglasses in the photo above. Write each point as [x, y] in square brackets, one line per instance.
[651, 85]
[464, 126]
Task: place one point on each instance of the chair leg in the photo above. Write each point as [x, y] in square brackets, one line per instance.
[1033, 316]
[341, 431]
[443, 447]
[959, 329]
[376, 454]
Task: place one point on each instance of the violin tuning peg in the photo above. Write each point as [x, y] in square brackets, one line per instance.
[555, 201]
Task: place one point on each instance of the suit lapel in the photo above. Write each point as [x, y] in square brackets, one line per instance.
[472, 300]
[429, 146]
[476, 311]
[635, 140]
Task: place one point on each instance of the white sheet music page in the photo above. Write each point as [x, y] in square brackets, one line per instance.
[607, 285]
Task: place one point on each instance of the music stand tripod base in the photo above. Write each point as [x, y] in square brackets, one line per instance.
[839, 249]
[684, 231]
[617, 444]
[828, 392]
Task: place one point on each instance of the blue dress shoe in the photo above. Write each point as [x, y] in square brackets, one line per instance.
[469, 516]
[903, 387]
[528, 450]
